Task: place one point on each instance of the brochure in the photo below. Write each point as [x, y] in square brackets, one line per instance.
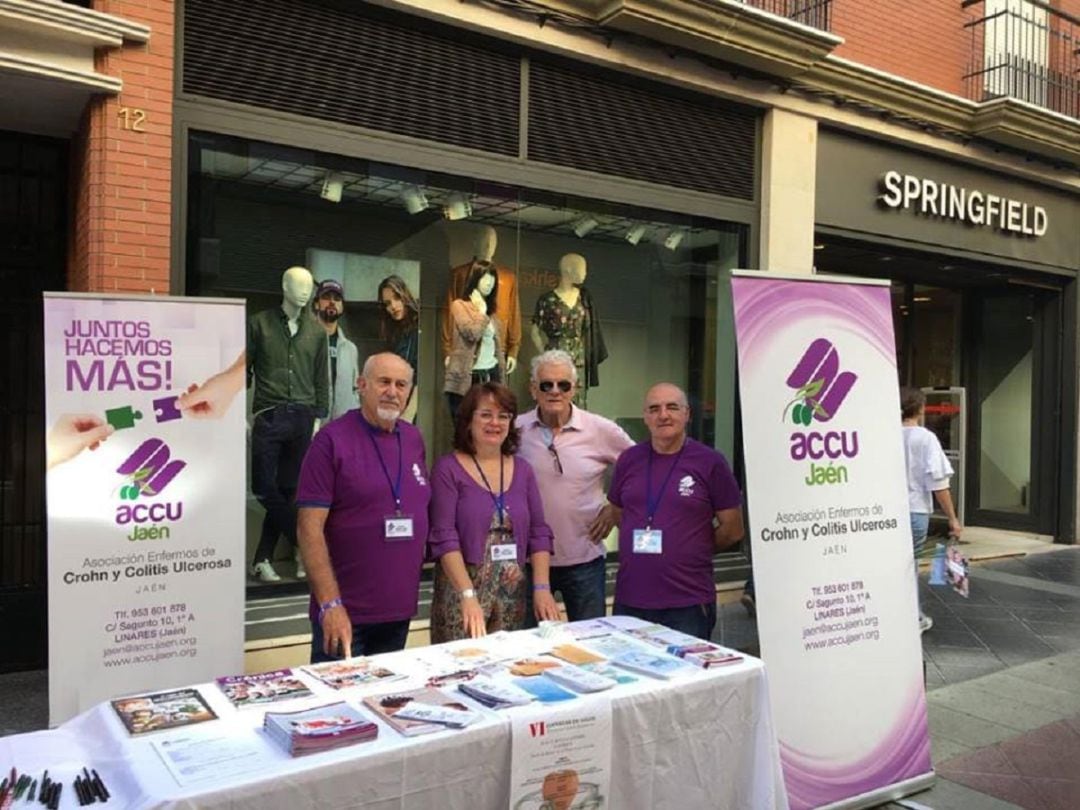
[573, 654]
[351, 672]
[162, 710]
[578, 679]
[265, 687]
[620, 676]
[655, 666]
[320, 729]
[495, 694]
[386, 707]
[544, 690]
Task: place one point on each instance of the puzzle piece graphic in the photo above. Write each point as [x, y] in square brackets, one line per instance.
[122, 418]
[165, 409]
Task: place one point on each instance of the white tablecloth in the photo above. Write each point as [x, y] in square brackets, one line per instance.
[704, 741]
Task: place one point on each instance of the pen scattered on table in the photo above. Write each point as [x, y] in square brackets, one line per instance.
[88, 786]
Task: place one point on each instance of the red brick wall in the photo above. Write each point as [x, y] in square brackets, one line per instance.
[122, 180]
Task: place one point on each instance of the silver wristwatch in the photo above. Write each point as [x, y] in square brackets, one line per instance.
[468, 593]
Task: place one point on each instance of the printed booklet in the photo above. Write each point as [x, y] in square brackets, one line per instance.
[386, 707]
[162, 710]
[266, 687]
[351, 672]
[320, 729]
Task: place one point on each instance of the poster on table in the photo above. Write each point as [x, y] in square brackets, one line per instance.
[561, 757]
[145, 528]
[832, 552]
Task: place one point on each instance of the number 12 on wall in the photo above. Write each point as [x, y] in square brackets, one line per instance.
[132, 118]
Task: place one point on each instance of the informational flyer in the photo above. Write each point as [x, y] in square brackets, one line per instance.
[196, 759]
[561, 756]
[145, 501]
[832, 553]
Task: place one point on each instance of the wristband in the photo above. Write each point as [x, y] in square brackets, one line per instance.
[333, 603]
[541, 586]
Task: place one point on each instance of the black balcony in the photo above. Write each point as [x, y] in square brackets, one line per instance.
[1026, 50]
[814, 13]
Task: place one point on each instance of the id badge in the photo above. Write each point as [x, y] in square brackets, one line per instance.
[648, 541]
[504, 552]
[398, 527]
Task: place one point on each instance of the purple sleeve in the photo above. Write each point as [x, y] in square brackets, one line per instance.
[540, 534]
[443, 534]
[723, 488]
[614, 494]
[316, 484]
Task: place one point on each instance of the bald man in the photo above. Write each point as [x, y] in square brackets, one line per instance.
[363, 519]
[678, 503]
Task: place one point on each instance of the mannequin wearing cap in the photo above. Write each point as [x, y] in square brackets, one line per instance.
[565, 318]
[287, 364]
[328, 306]
[508, 306]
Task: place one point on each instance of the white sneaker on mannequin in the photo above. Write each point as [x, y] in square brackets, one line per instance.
[301, 573]
[264, 572]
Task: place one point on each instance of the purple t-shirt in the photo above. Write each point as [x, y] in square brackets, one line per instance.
[379, 578]
[461, 511]
[700, 485]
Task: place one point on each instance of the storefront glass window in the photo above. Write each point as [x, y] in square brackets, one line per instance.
[657, 282]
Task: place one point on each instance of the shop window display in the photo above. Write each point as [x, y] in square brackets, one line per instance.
[467, 280]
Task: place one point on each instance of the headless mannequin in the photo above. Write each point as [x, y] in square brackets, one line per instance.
[284, 417]
[484, 247]
[562, 320]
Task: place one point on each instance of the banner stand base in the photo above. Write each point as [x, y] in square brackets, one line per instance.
[897, 790]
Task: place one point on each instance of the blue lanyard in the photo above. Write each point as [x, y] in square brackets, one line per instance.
[395, 486]
[500, 499]
[653, 503]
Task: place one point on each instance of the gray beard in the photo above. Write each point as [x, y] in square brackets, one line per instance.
[387, 414]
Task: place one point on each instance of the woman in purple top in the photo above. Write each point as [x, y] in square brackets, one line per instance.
[486, 522]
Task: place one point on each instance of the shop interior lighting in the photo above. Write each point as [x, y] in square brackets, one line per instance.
[584, 226]
[674, 239]
[457, 207]
[332, 186]
[633, 236]
[415, 199]
[921, 299]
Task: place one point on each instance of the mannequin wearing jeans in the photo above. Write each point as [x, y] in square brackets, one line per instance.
[288, 367]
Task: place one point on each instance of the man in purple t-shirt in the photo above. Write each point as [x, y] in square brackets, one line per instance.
[678, 504]
[363, 519]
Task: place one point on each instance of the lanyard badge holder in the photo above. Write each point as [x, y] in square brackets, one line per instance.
[398, 526]
[500, 552]
[650, 540]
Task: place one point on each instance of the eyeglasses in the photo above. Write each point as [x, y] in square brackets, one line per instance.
[547, 385]
[549, 440]
[491, 416]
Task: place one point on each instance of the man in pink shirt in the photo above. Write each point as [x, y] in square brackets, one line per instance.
[570, 450]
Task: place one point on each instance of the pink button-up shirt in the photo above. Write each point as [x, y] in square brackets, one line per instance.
[587, 445]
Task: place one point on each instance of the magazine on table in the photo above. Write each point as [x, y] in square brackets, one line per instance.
[351, 672]
[323, 728]
[387, 707]
[655, 665]
[162, 710]
[265, 687]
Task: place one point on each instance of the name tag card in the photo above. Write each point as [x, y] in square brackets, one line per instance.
[648, 541]
[504, 552]
[398, 528]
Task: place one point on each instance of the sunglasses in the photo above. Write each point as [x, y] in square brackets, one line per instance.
[547, 385]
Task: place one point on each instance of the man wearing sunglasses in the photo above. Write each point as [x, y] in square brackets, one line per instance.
[570, 450]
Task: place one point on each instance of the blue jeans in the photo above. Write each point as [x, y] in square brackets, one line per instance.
[696, 620]
[279, 439]
[920, 527]
[367, 639]
[581, 587]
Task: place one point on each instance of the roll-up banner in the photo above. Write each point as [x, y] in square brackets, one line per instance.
[145, 502]
[832, 553]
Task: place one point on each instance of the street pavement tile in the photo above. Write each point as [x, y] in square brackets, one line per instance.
[1021, 651]
[1062, 643]
[1013, 714]
[991, 760]
[1053, 613]
[1013, 789]
[942, 750]
[937, 637]
[1059, 794]
[968, 657]
[1010, 687]
[1055, 628]
[956, 726]
[1052, 752]
[1063, 672]
[958, 673]
[983, 611]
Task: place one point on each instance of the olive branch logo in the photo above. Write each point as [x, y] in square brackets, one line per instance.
[806, 405]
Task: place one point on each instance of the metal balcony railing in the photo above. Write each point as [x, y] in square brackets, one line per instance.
[1024, 49]
[814, 13]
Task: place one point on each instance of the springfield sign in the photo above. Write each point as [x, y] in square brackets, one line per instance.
[930, 197]
[145, 502]
[833, 564]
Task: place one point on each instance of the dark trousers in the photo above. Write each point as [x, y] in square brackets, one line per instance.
[696, 620]
[367, 639]
[581, 587]
[279, 439]
[487, 375]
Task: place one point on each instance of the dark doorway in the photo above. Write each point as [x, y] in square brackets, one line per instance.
[33, 238]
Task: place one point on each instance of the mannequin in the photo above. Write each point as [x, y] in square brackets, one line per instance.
[484, 247]
[477, 351]
[565, 318]
[288, 366]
